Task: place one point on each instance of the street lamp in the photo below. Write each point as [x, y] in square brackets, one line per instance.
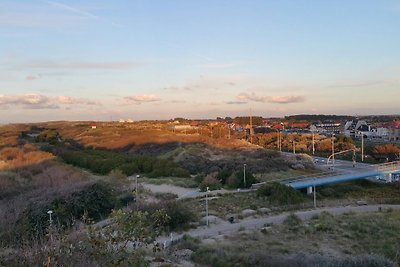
[362, 145]
[50, 219]
[207, 206]
[278, 139]
[50, 225]
[333, 150]
[244, 175]
[137, 193]
[315, 196]
[313, 143]
[294, 147]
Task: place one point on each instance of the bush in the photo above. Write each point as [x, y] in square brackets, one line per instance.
[223, 176]
[94, 200]
[180, 214]
[129, 168]
[211, 182]
[102, 162]
[188, 242]
[280, 194]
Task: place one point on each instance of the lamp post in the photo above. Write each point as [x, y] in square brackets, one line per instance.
[207, 206]
[315, 196]
[313, 143]
[278, 140]
[294, 147]
[137, 193]
[50, 225]
[244, 175]
[333, 150]
[362, 146]
[50, 219]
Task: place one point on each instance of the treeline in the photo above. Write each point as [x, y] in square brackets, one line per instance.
[103, 162]
[320, 117]
[246, 120]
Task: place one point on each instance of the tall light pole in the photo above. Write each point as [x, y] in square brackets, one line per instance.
[281, 137]
[50, 225]
[50, 219]
[333, 150]
[315, 196]
[362, 146]
[244, 175]
[137, 193]
[278, 139]
[207, 206]
[294, 147]
[313, 143]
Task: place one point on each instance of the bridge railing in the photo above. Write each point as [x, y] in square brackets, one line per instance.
[389, 166]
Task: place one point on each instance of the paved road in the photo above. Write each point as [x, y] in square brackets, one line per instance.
[258, 223]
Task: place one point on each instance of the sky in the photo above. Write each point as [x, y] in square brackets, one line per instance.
[157, 59]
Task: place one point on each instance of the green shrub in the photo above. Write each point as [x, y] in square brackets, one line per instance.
[292, 221]
[223, 176]
[102, 162]
[129, 168]
[188, 242]
[280, 194]
[211, 182]
[95, 200]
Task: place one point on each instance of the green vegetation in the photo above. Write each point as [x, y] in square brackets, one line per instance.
[280, 194]
[93, 201]
[121, 243]
[353, 240]
[179, 214]
[103, 162]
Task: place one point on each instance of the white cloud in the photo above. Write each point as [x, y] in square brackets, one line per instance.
[72, 9]
[68, 100]
[38, 101]
[142, 98]
[32, 77]
[271, 99]
[89, 65]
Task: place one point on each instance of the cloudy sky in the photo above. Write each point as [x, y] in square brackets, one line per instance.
[157, 59]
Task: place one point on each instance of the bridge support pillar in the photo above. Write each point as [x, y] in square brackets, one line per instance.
[309, 190]
[389, 178]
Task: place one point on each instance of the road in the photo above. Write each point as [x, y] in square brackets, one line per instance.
[258, 223]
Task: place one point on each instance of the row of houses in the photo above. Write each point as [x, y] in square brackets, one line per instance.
[354, 129]
[361, 128]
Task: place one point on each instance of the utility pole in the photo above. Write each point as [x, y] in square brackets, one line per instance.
[294, 147]
[207, 206]
[251, 128]
[315, 196]
[313, 143]
[229, 132]
[137, 193]
[333, 150]
[362, 147]
[244, 175]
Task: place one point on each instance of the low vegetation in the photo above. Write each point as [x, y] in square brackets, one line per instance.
[348, 240]
[280, 194]
[103, 162]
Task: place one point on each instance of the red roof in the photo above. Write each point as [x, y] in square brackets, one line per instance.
[277, 126]
[301, 125]
[396, 124]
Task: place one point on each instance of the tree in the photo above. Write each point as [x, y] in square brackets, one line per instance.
[386, 151]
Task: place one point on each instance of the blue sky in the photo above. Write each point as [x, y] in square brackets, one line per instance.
[102, 60]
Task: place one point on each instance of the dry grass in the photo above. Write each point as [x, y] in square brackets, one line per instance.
[117, 136]
[327, 236]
